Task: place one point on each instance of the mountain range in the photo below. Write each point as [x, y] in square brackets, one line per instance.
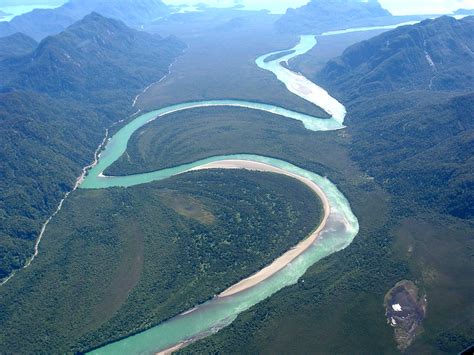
[40, 23]
[319, 16]
[55, 104]
[93, 57]
[433, 55]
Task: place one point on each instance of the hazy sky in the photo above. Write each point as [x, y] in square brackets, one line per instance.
[277, 6]
[397, 7]
[401, 7]
[4, 3]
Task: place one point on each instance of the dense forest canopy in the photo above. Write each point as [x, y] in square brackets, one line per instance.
[166, 246]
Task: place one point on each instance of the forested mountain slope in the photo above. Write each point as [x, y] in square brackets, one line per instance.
[420, 146]
[410, 98]
[43, 22]
[55, 105]
[96, 58]
[433, 55]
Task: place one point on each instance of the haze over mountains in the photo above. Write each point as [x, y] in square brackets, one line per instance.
[43, 22]
[55, 104]
[319, 16]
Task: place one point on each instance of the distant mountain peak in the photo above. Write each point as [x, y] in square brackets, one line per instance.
[95, 22]
[325, 15]
[94, 16]
[92, 53]
[94, 32]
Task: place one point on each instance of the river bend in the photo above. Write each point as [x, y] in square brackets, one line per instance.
[336, 232]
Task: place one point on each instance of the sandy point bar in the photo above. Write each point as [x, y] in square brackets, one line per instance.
[294, 252]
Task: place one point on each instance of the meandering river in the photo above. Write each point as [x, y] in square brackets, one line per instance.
[337, 231]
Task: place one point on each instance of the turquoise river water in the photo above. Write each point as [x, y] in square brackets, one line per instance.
[340, 229]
